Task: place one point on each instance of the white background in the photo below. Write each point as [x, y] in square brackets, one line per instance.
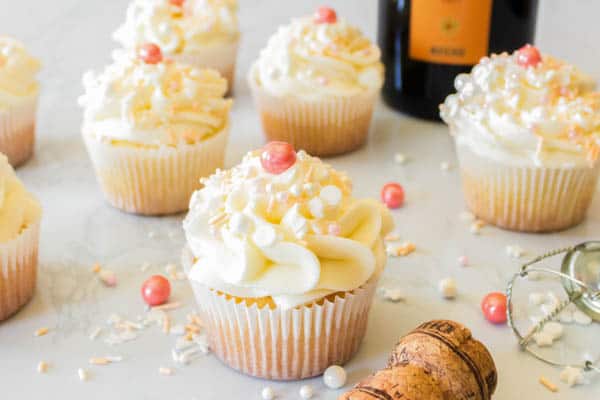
[79, 229]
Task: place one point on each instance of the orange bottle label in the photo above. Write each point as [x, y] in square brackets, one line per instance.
[449, 31]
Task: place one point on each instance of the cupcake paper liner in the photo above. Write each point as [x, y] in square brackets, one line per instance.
[333, 125]
[17, 131]
[154, 181]
[529, 199]
[18, 270]
[221, 57]
[278, 344]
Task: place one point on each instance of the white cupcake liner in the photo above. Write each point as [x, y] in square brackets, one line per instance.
[18, 270]
[17, 131]
[328, 126]
[221, 56]
[154, 181]
[531, 199]
[285, 344]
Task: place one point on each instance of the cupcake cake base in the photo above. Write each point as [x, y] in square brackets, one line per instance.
[17, 132]
[300, 343]
[528, 199]
[324, 127]
[153, 181]
[18, 271]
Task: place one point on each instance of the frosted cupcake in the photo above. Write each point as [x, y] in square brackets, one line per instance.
[316, 83]
[527, 134]
[203, 33]
[20, 215]
[153, 128]
[284, 263]
[19, 91]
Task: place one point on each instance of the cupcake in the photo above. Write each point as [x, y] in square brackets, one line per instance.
[203, 33]
[19, 91]
[20, 215]
[153, 128]
[316, 83]
[284, 262]
[527, 133]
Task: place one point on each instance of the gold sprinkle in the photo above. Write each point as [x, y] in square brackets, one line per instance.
[42, 367]
[41, 332]
[189, 336]
[167, 306]
[271, 205]
[195, 319]
[96, 268]
[392, 237]
[309, 174]
[166, 323]
[218, 219]
[548, 385]
[405, 249]
[192, 328]
[99, 361]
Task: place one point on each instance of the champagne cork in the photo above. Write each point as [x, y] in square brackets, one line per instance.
[462, 365]
[438, 360]
[405, 382]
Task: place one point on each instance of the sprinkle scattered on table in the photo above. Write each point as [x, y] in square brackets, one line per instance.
[42, 367]
[447, 288]
[548, 385]
[82, 374]
[41, 332]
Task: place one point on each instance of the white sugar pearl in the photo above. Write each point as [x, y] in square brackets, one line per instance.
[581, 318]
[514, 251]
[399, 158]
[331, 195]
[447, 288]
[267, 393]
[307, 392]
[315, 205]
[264, 236]
[83, 375]
[335, 377]
[393, 295]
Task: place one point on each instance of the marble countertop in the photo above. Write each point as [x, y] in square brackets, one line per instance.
[80, 229]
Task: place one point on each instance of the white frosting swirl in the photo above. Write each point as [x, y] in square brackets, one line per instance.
[18, 71]
[176, 29]
[154, 104]
[309, 59]
[18, 208]
[546, 115]
[294, 237]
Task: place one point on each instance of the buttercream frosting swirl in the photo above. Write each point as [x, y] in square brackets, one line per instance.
[18, 73]
[309, 59]
[167, 103]
[18, 208]
[546, 114]
[294, 237]
[179, 29]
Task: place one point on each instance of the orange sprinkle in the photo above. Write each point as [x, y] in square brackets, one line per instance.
[548, 385]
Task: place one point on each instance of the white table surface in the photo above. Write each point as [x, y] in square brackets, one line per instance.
[79, 228]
